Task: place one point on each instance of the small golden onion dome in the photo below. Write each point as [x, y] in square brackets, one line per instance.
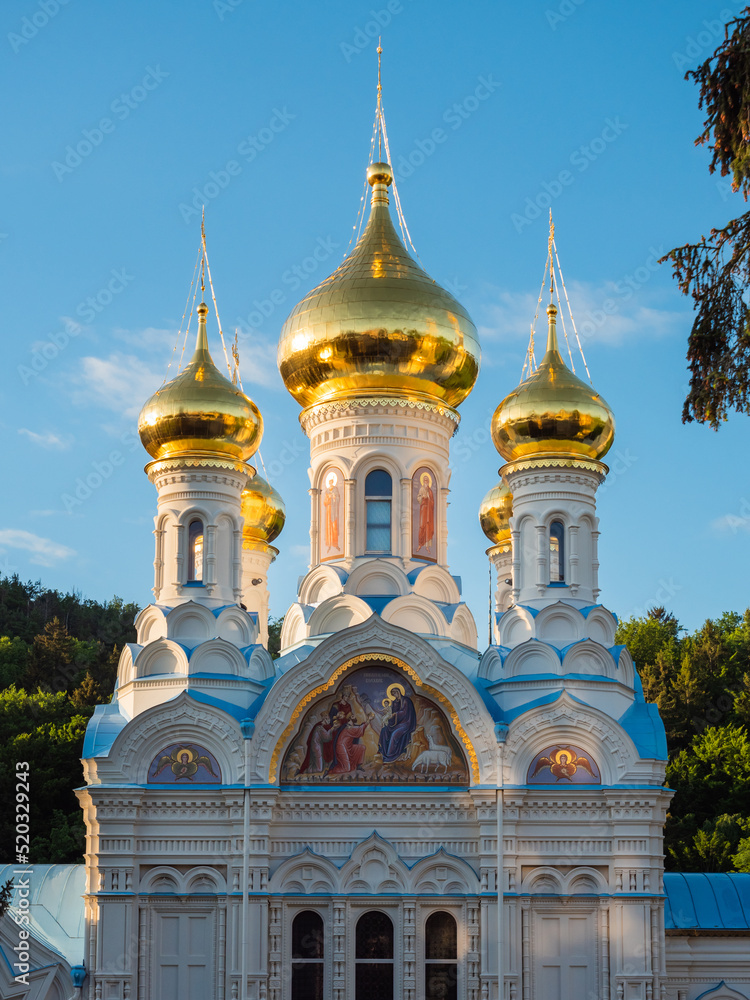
[263, 510]
[495, 512]
[379, 325]
[553, 412]
[200, 411]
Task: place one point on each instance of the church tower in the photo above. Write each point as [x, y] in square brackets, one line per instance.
[379, 356]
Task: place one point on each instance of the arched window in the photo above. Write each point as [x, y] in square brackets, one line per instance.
[557, 552]
[378, 496]
[308, 947]
[441, 957]
[195, 551]
[374, 957]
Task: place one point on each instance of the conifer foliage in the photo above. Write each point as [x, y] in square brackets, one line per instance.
[715, 271]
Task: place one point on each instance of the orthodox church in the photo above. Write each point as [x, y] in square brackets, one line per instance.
[386, 810]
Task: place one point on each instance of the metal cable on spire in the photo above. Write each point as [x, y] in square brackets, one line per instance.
[207, 267]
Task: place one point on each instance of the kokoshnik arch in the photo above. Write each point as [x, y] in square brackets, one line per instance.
[385, 810]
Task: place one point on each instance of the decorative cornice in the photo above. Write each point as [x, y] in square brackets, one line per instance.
[554, 462]
[385, 404]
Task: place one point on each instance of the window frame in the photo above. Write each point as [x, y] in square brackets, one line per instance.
[381, 498]
[560, 554]
[440, 961]
[192, 538]
[322, 961]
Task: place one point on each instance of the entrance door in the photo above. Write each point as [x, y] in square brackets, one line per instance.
[564, 950]
[183, 956]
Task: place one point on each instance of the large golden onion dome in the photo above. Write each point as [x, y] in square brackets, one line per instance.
[553, 413]
[379, 325]
[263, 510]
[200, 411]
[495, 512]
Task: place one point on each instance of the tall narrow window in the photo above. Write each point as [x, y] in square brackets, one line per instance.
[374, 957]
[195, 552]
[308, 956]
[557, 552]
[441, 957]
[378, 496]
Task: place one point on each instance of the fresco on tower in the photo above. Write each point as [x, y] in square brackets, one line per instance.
[423, 490]
[375, 726]
[331, 519]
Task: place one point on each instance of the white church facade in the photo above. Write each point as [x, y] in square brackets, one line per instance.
[387, 810]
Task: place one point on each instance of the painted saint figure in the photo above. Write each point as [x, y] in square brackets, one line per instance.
[349, 751]
[331, 503]
[398, 725]
[424, 514]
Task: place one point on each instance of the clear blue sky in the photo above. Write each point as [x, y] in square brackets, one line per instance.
[162, 96]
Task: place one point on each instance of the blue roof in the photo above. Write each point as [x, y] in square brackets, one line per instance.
[707, 901]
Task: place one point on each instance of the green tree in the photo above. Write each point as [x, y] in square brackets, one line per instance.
[274, 636]
[14, 661]
[715, 271]
[710, 778]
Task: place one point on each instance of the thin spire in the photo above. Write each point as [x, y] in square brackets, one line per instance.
[550, 252]
[380, 101]
[203, 261]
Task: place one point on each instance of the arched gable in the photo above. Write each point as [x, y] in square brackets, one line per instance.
[295, 689]
[568, 721]
[179, 720]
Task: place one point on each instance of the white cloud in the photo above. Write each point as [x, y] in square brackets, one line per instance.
[46, 440]
[608, 313]
[44, 551]
[121, 382]
[731, 524]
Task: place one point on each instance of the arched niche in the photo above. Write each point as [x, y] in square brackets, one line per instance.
[375, 726]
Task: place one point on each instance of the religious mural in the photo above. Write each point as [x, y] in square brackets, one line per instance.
[374, 726]
[331, 515]
[563, 764]
[184, 762]
[423, 510]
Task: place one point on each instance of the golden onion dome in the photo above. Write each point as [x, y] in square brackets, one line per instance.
[495, 512]
[379, 325]
[553, 413]
[263, 510]
[200, 411]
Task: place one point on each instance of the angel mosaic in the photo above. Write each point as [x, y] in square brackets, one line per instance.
[374, 727]
[563, 763]
[184, 762]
